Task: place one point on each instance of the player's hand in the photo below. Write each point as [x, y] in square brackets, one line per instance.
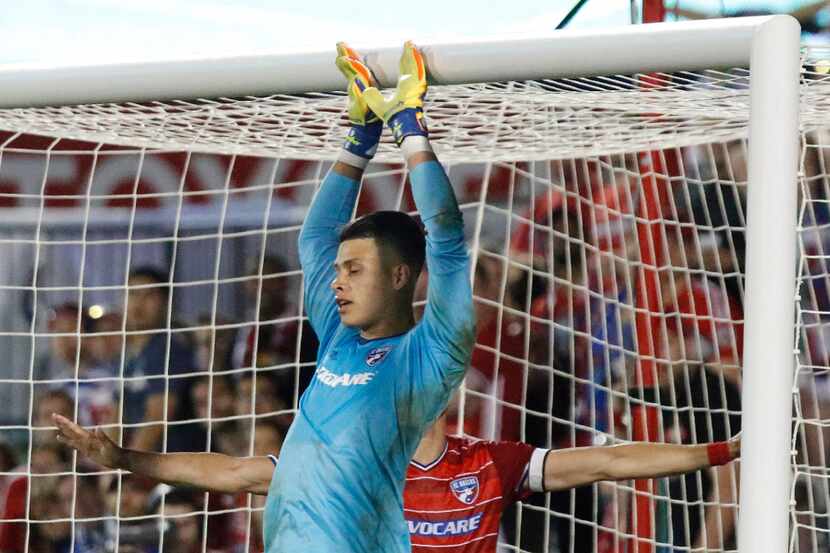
[404, 111]
[735, 446]
[360, 78]
[364, 135]
[92, 444]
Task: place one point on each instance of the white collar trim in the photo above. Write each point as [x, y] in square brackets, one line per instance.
[435, 462]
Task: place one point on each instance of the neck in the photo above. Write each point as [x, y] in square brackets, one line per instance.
[390, 327]
[432, 443]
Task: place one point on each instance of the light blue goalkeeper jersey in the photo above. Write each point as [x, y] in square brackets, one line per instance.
[339, 484]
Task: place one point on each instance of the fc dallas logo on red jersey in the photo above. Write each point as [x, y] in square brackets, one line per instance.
[465, 489]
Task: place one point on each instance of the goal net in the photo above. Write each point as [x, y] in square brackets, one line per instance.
[150, 285]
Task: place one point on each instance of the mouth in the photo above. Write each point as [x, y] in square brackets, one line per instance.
[341, 303]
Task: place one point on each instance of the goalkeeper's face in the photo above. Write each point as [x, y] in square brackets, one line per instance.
[368, 290]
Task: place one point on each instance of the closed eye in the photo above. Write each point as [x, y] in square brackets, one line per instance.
[349, 266]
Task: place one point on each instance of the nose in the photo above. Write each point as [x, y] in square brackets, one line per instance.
[337, 284]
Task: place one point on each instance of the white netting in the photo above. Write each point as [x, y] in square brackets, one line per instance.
[484, 122]
[606, 217]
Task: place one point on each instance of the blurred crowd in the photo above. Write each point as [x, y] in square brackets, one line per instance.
[598, 321]
[220, 387]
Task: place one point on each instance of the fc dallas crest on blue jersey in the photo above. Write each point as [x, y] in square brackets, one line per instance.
[465, 489]
[376, 355]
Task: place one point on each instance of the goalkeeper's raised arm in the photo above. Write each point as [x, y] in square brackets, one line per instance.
[206, 471]
[334, 203]
[446, 334]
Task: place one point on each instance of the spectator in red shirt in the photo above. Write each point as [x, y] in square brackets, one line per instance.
[698, 309]
[47, 461]
[8, 462]
[496, 374]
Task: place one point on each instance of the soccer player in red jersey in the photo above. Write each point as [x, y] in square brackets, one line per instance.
[457, 489]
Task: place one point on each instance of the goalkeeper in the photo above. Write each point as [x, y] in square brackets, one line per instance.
[380, 379]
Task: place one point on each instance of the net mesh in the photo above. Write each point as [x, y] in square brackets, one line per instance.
[484, 122]
[151, 286]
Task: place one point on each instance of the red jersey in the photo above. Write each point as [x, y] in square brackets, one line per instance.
[13, 505]
[705, 310]
[454, 505]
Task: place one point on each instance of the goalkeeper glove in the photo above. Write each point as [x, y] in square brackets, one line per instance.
[403, 113]
[366, 128]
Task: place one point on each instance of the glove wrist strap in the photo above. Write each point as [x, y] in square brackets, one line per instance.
[408, 122]
[362, 140]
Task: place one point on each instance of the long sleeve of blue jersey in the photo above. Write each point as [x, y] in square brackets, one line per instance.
[318, 242]
[447, 330]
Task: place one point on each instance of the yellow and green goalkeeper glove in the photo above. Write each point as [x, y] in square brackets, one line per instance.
[366, 128]
[404, 112]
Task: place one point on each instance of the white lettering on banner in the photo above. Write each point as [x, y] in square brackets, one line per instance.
[334, 380]
[456, 527]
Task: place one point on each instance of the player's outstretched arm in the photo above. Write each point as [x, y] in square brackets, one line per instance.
[570, 468]
[206, 471]
[448, 319]
[335, 200]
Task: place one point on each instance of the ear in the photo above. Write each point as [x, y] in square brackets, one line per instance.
[401, 276]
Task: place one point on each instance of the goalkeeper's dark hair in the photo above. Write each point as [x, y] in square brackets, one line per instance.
[394, 232]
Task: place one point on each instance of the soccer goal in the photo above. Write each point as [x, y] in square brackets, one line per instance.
[633, 199]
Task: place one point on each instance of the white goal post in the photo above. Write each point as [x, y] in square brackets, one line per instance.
[685, 46]
[769, 46]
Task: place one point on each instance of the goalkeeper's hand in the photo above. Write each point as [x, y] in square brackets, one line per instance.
[364, 134]
[403, 113]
